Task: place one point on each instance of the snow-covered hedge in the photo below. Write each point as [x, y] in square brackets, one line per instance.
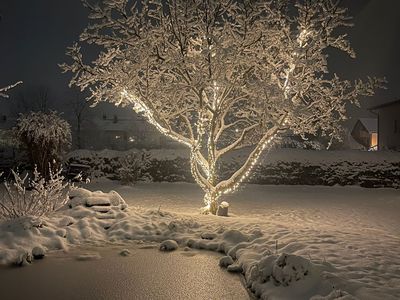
[283, 166]
[158, 165]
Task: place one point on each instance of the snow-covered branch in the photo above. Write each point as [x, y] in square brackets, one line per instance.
[4, 90]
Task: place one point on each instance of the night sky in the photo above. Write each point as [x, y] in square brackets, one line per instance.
[35, 34]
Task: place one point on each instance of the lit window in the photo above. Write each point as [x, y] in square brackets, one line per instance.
[374, 140]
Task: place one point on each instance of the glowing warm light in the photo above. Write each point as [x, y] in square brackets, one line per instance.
[207, 167]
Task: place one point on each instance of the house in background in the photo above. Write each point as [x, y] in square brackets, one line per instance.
[121, 130]
[388, 125]
[365, 133]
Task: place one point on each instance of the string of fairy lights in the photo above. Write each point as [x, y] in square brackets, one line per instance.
[143, 109]
[197, 160]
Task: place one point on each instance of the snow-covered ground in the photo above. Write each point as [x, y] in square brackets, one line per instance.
[290, 242]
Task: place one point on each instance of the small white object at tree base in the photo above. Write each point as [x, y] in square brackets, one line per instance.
[222, 210]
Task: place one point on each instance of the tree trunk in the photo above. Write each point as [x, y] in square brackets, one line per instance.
[211, 202]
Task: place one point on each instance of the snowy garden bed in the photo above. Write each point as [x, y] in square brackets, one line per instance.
[283, 166]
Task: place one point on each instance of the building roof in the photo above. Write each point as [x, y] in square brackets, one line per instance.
[385, 105]
[371, 124]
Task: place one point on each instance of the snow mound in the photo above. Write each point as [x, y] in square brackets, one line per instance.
[225, 261]
[168, 245]
[287, 269]
[234, 268]
[38, 252]
[83, 219]
[125, 252]
[83, 197]
[98, 200]
[208, 235]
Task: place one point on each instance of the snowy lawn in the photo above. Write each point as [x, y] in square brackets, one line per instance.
[353, 231]
[290, 242]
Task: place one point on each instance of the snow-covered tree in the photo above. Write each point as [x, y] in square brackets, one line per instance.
[44, 136]
[79, 109]
[33, 98]
[220, 75]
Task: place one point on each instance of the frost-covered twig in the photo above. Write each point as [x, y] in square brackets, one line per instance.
[7, 88]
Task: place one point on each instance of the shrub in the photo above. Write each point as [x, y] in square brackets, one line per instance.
[44, 136]
[134, 167]
[33, 197]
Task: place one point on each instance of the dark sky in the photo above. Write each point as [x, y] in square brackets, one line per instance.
[35, 33]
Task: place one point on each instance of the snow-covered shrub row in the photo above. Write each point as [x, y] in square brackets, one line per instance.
[307, 167]
[283, 166]
[136, 165]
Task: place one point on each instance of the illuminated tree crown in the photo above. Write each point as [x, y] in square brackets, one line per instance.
[220, 75]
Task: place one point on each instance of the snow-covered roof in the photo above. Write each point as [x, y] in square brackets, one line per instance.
[371, 124]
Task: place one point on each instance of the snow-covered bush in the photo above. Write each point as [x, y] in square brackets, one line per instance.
[33, 197]
[44, 136]
[134, 167]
